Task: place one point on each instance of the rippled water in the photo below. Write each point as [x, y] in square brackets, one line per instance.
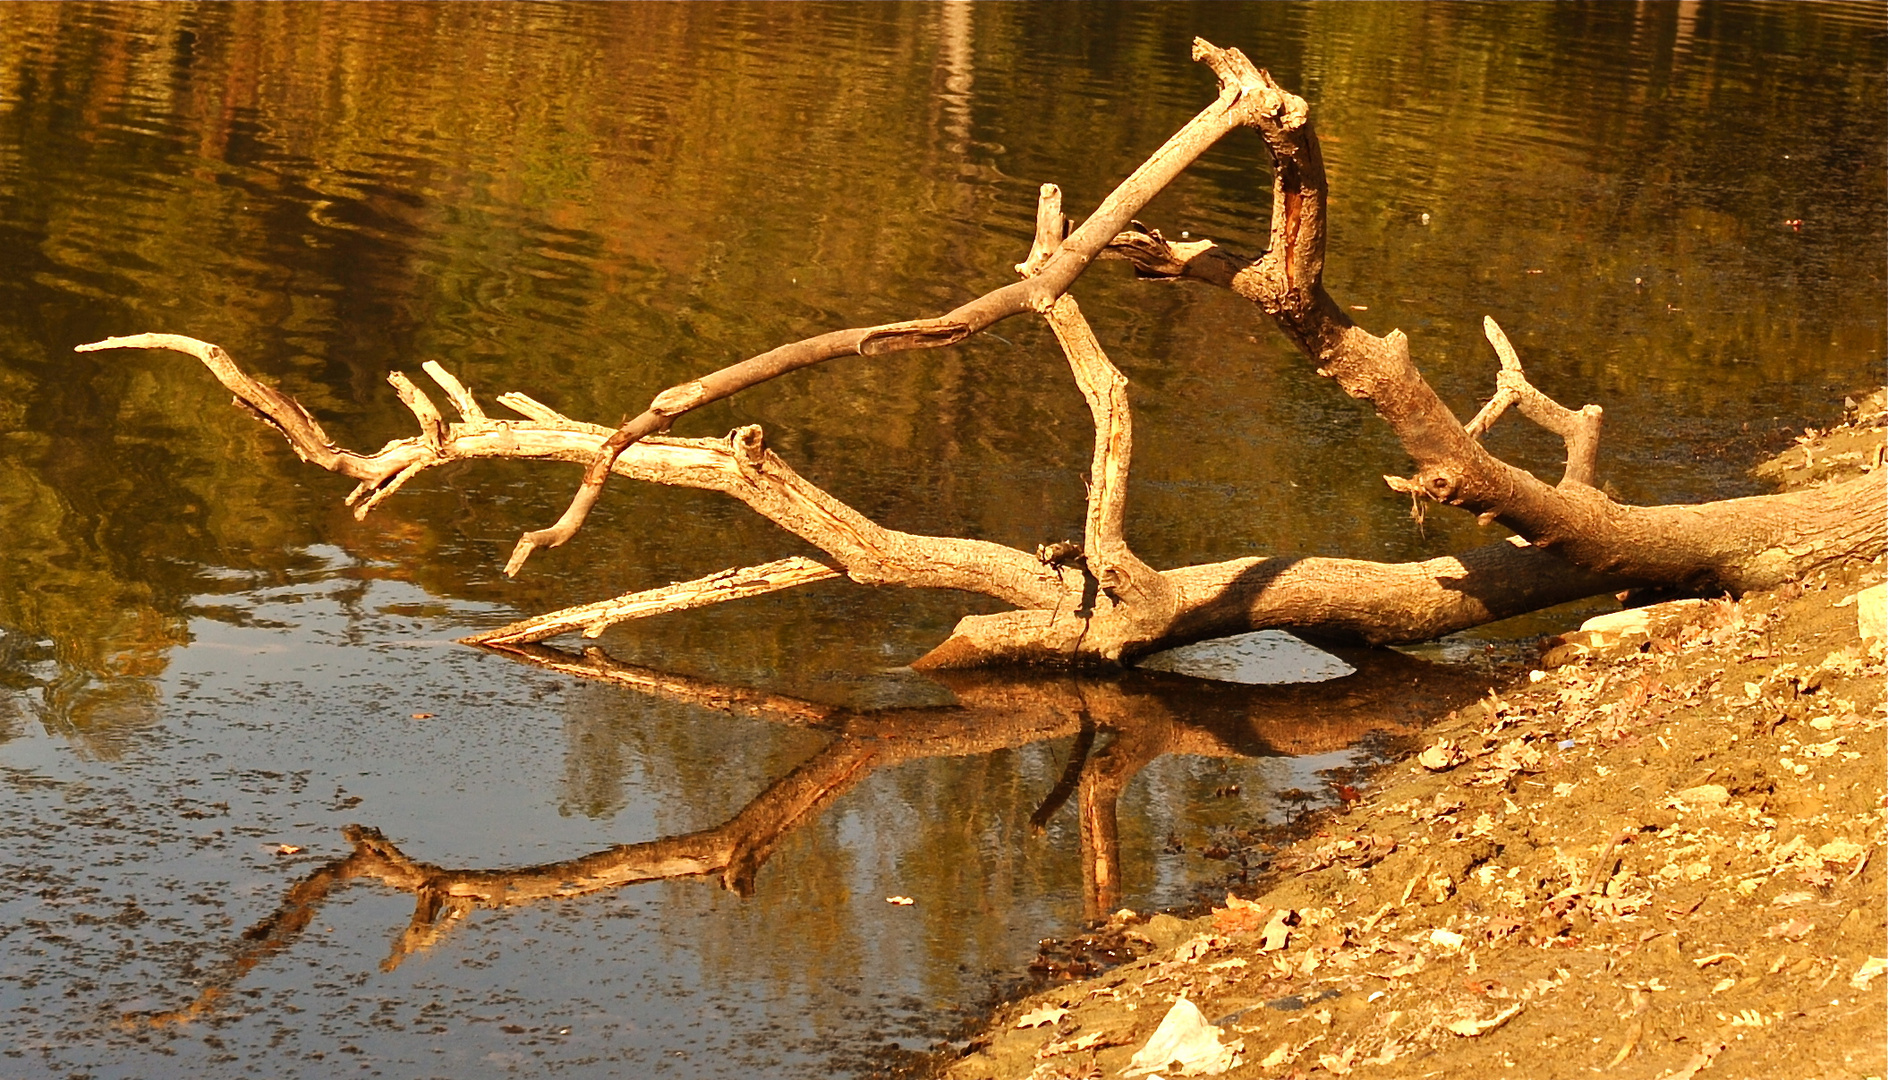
[204, 658]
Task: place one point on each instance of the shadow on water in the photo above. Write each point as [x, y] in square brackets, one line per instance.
[1120, 725]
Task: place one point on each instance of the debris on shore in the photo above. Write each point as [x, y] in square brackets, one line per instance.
[1660, 856]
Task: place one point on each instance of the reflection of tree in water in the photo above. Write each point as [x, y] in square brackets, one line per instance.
[1118, 725]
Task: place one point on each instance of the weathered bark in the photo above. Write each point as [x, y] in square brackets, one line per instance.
[1100, 604]
[1143, 716]
[1733, 546]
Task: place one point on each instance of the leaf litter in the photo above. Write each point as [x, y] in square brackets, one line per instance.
[1659, 856]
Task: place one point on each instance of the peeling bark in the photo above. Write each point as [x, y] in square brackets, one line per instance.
[1102, 605]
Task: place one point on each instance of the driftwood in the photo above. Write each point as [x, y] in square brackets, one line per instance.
[1098, 604]
[1135, 720]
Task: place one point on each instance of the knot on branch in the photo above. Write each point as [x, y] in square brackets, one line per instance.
[748, 444]
[1440, 485]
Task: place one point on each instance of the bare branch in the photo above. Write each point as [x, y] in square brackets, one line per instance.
[1241, 99]
[1051, 226]
[456, 392]
[304, 435]
[1580, 430]
[1115, 567]
[432, 425]
[740, 465]
[716, 588]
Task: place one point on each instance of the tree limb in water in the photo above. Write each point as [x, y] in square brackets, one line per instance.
[1099, 604]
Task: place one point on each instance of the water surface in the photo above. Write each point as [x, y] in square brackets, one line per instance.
[205, 658]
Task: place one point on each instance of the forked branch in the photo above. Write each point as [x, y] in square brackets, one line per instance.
[1733, 545]
[740, 465]
[1242, 99]
[1579, 429]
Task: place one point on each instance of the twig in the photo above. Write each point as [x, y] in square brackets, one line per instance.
[1579, 429]
[716, 588]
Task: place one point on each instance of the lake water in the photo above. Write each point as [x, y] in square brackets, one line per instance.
[205, 662]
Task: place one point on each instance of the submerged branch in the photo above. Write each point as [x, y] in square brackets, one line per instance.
[596, 617]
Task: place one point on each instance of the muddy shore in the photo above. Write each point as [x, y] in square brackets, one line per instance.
[1659, 854]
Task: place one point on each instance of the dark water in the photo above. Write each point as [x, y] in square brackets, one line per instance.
[203, 657]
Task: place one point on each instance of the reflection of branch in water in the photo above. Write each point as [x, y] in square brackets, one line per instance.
[443, 897]
[1071, 775]
[1148, 715]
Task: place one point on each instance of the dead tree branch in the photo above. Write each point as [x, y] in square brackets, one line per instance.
[1733, 545]
[594, 618]
[1579, 429]
[1102, 605]
[740, 465]
[1241, 98]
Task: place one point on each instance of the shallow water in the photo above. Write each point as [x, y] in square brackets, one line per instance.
[204, 658]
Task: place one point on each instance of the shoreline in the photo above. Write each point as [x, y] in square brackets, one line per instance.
[1659, 854]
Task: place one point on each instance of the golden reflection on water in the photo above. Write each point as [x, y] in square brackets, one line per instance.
[590, 202]
[1119, 727]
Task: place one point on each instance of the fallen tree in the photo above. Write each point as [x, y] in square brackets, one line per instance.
[1096, 603]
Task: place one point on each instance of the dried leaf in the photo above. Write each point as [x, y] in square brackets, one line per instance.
[1240, 915]
[1093, 1040]
[1865, 974]
[1040, 1015]
[1441, 756]
[1469, 1028]
[1338, 1064]
[1277, 932]
[1792, 930]
[1194, 948]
